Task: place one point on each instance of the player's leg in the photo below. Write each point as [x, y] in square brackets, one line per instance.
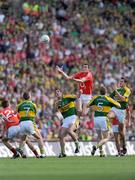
[105, 138]
[121, 115]
[117, 142]
[85, 99]
[22, 142]
[94, 148]
[10, 147]
[25, 127]
[79, 107]
[71, 123]
[102, 125]
[62, 134]
[106, 131]
[70, 130]
[116, 134]
[99, 136]
[111, 116]
[40, 142]
[12, 132]
[30, 145]
[84, 109]
[122, 137]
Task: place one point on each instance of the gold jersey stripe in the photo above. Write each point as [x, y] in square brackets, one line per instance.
[105, 109]
[24, 114]
[67, 107]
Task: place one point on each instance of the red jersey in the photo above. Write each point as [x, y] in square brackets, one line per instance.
[9, 117]
[85, 87]
[115, 121]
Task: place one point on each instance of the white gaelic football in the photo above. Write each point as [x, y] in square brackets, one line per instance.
[44, 38]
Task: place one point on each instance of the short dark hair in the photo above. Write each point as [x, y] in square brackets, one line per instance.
[85, 65]
[26, 95]
[103, 90]
[124, 79]
[5, 103]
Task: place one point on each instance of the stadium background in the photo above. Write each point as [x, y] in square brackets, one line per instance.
[100, 33]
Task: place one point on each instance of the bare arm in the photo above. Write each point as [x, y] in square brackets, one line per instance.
[122, 98]
[77, 80]
[63, 73]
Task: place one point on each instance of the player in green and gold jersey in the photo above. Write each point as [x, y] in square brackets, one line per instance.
[121, 94]
[101, 105]
[27, 111]
[66, 105]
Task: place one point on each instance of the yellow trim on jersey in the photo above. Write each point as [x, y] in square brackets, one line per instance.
[91, 101]
[77, 122]
[24, 114]
[105, 109]
[113, 101]
[108, 123]
[127, 93]
[69, 96]
[26, 102]
[67, 107]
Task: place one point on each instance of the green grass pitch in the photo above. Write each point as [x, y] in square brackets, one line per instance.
[69, 168]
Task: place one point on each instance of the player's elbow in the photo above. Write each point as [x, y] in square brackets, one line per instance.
[118, 105]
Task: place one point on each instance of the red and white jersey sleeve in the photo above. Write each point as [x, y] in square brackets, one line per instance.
[10, 118]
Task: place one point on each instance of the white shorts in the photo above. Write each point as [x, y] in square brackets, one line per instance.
[13, 131]
[69, 120]
[115, 128]
[100, 123]
[120, 114]
[85, 98]
[27, 128]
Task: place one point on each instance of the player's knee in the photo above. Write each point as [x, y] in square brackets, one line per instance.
[4, 140]
[79, 112]
[111, 115]
[61, 134]
[69, 130]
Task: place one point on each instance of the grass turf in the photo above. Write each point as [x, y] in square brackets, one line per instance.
[69, 168]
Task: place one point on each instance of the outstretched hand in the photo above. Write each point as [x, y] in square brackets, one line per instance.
[59, 69]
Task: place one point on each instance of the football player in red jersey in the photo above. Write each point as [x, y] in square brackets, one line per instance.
[11, 129]
[11, 126]
[85, 79]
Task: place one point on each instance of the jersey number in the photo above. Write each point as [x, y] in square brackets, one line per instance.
[100, 106]
[27, 111]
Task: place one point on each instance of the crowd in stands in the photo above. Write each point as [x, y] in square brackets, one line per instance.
[100, 33]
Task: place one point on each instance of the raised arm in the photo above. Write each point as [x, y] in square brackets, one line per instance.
[63, 73]
[125, 96]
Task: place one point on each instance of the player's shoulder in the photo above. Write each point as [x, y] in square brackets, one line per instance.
[95, 97]
[23, 102]
[108, 98]
[69, 96]
[7, 109]
[127, 89]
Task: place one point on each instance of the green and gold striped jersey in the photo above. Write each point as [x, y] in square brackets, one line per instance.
[27, 110]
[67, 105]
[124, 92]
[102, 104]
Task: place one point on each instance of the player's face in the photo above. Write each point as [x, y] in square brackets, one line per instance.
[85, 68]
[58, 93]
[121, 83]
